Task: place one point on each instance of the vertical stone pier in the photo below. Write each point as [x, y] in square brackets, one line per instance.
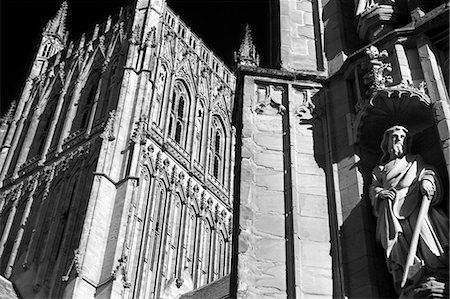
[281, 231]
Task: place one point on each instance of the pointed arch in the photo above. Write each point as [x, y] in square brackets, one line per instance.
[88, 96]
[218, 148]
[179, 112]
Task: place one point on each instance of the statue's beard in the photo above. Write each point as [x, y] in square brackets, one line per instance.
[398, 150]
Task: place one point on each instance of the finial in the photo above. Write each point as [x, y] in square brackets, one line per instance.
[57, 26]
[247, 51]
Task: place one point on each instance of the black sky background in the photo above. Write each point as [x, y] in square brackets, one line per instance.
[219, 23]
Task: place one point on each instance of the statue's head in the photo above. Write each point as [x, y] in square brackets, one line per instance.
[396, 143]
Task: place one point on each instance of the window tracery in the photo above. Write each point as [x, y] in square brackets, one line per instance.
[178, 116]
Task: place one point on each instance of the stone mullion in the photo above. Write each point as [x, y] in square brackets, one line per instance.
[208, 141]
[212, 255]
[70, 115]
[197, 263]
[54, 122]
[46, 251]
[191, 130]
[9, 221]
[147, 286]
[6, 148]
[23, 224]
[163, 244]
[67, 233]
[94, 105]
[181, 246]
[146, 229]
[29, 255]
[27, 142]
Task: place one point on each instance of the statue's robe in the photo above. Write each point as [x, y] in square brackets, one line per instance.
[397, 218]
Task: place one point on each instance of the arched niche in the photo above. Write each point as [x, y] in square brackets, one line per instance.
[396, 105]
[413, 109]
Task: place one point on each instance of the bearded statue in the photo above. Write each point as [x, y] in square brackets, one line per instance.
[412, 230]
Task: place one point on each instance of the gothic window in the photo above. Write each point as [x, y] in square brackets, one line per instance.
[112, 76]
[43, 127]
[178, 118]
[205, 254]
[156, 242]
[217, 149]
[86, 102]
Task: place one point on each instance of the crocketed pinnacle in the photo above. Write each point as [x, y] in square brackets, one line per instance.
[57, 26]
[247, 51]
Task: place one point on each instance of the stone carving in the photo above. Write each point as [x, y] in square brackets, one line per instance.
[108, 132]
[139, 135]
[413, 232]
[377, 75]
[271, 96]
[305, 106]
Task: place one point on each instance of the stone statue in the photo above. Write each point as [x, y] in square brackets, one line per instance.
[414, 233]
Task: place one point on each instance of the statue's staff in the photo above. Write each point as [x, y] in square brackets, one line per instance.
[415, 238]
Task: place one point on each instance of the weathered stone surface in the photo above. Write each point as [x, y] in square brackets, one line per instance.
[313, 229]
[270, 249]
[271, 224]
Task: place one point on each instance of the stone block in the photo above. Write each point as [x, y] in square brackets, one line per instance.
[317, 281]
[269, 201]
[271, 224]
[269, 123]
[274, 277]
[306, 164]
[315, 254]
[311, 184]
[311, 205]
[270, 159]
[271, 181]
[270, 250]
[313, 229]
[269, 141]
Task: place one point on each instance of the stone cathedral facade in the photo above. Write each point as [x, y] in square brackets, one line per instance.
[116, 162]
[137, 165]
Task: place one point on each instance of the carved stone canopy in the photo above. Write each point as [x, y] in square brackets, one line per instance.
[389, 107]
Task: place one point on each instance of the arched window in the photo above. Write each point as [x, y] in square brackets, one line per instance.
[217, 149]
[178, 118]
[86, 102]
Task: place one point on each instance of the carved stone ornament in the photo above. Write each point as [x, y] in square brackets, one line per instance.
[108, 128]
[269, 96]
[121, 270]
[140, 132]
[405, 194]
[386, 104]
[305, 106]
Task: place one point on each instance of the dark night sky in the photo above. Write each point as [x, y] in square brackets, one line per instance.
[219, 23]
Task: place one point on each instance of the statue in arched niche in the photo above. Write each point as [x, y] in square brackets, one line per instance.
[414, 233]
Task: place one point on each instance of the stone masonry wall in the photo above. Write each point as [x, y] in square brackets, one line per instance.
[284, 240]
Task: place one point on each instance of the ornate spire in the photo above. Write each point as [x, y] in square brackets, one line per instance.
[247, 51]
[57, 26]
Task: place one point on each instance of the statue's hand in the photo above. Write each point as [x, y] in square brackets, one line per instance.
[387, 194]
[427, 188]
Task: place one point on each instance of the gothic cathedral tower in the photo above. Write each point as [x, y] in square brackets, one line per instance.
[115, 164]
